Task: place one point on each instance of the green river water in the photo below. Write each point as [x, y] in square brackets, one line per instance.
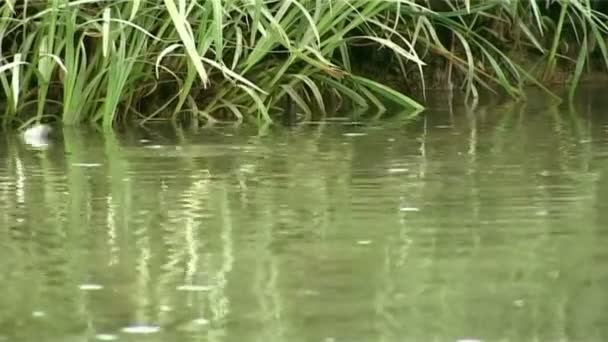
[486, 225]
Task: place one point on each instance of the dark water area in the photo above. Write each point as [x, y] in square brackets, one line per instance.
[488, 224]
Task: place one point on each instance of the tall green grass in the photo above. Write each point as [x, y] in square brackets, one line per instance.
[235, 60]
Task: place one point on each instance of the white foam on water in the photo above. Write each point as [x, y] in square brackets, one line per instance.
[87, 164]
[194, 288]
[141, 329]
[201, 321]
[106, 337]
[90, 287]
[409, 209]
[37, 136]
[397, 170]
[38, 313]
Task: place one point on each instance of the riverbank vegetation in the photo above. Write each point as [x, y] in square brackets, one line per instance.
[257, 60]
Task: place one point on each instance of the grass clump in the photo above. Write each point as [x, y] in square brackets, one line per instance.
[231, 60]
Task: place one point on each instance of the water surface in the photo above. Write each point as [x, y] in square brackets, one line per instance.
[488, 224]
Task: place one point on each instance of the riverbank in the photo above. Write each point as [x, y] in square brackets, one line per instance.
[287, 61]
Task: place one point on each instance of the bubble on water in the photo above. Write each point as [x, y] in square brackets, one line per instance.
[90, 287]
[519, 303]
[194, 288]
[397, 170]
[310, 292]
[144, 141]
[106, 337]
[194, 325]
[141, 329]
[354, 134]
[38, 313]
[399, 296]
[409, 209]
[247, 168]
[154, 146]
[165, 308]
[86, 164]
[201, 321]
[364, 242]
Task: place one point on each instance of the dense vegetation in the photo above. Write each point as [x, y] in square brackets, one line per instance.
[106, 61]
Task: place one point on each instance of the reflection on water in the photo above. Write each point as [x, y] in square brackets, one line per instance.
[487, 225]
